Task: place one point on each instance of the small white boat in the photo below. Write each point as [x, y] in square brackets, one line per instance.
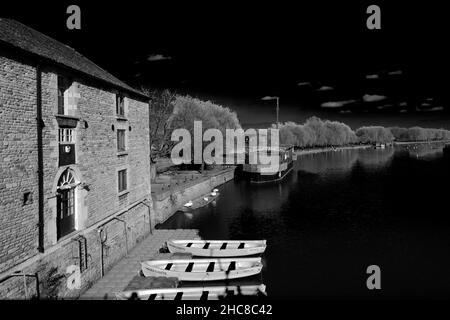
[218, 248]
[188, 204]
[202, 269]
[198, 293]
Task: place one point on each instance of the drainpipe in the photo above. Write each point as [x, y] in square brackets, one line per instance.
[125, 231]
[40, 125]
[102, 245]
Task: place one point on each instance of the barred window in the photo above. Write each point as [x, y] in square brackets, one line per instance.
[66, 135]
[122, 180]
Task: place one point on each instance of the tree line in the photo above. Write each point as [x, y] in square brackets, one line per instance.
[169, 111]
[316, 132]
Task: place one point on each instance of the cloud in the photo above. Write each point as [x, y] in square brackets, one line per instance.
[403, 104]
[372, 76]
[403, 111]
[302, 84]
[345, 111]
[395, 73]
[385, 106]
[434, 109]
[425, 105]
[157, 57]
[336, 104]
[325, 88]
[373, 98]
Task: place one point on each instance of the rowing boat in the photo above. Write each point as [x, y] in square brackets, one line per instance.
[202, 269]
[218, 248]
[197, 293]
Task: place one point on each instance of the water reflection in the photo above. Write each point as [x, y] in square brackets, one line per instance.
[339, 212]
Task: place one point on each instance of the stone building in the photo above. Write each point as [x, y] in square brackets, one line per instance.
[74, 167]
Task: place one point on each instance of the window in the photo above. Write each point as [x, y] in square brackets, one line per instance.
[121, 140]
[120, 105]
[122, 180]
[62, 87]
[65, 204]
[66, 135]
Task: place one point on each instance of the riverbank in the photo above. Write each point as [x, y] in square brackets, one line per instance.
[171, 191]
[420, 142]
[365, 146]
[328, 149]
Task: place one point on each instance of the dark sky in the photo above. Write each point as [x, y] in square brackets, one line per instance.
[234, 54]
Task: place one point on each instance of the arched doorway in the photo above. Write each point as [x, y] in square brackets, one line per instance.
[65, 203]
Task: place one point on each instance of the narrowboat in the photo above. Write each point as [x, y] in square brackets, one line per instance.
[263, 173]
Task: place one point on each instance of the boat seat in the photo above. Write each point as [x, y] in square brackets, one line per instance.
[206, 246]
[169, 265]
[210, 267]
[204, 296]
[224, 246]
[189, 267]
[152, 296]
[241, 245]
[189, 244]
[179, 295]
[232, 266]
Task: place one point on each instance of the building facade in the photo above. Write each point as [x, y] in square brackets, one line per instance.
[74, 167]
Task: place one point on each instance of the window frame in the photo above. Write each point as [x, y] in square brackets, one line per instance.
[121, 140]
[120, 105]
[122, 179]
[61, 89]
[66, 135]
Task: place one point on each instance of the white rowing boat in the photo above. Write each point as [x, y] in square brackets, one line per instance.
[217, 248]
[198, 293]
[202, 269]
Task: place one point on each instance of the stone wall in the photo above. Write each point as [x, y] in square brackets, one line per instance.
[167, 203]
[96, 168]
[18, 162]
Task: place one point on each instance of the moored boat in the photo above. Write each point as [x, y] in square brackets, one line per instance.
[197, 293]
[202, 269]
[262, 173]
[218, 248]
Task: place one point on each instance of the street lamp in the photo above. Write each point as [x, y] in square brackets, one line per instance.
[266, 98]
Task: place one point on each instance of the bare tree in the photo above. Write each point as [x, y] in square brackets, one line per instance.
[161, 110]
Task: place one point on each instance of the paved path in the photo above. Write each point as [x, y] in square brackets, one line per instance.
[118, 278]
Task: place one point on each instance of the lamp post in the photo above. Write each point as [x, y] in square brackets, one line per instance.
[266, 98]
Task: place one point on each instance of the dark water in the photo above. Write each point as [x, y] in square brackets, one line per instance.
[336, 214]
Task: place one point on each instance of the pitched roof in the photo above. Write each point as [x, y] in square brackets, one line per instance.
[20, 36]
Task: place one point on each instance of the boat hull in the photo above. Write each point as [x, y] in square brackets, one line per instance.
[198, 293]
[216, 248]
[256, 177]
[200, 269]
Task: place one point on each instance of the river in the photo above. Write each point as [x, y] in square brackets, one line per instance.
[337, 213]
